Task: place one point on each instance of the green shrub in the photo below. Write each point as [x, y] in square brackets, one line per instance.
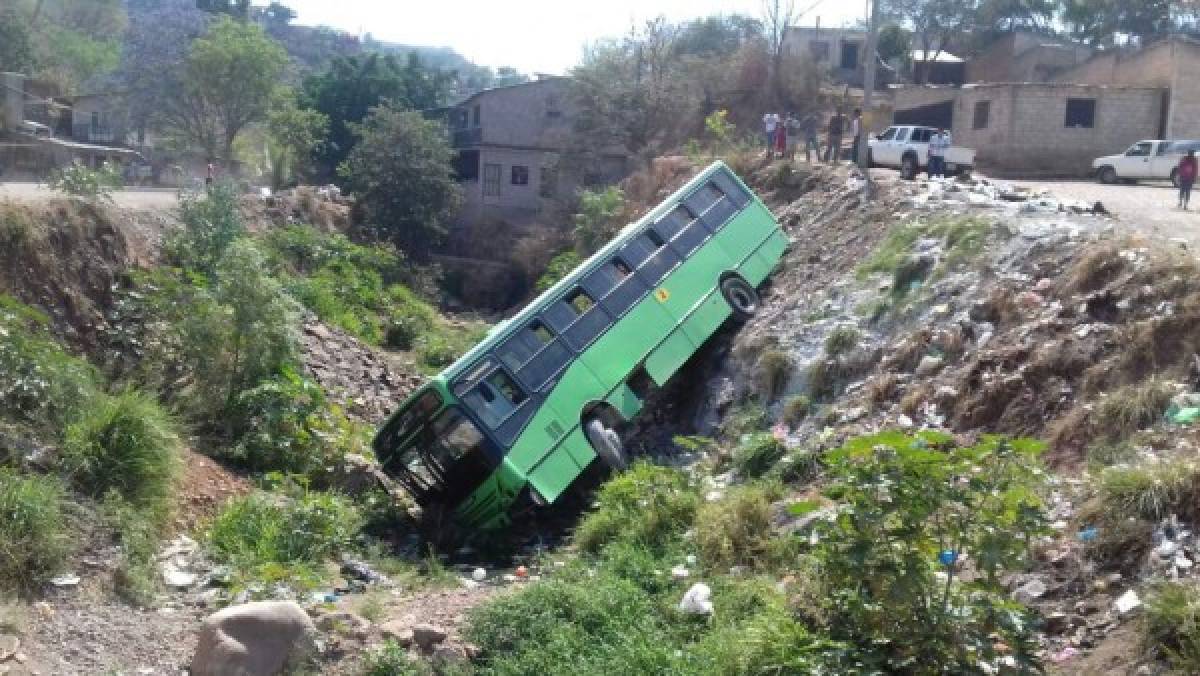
[559, 267]
[600, 625]
[137, 576]
[79, 180]
[211, 224]
[736, 530]
[1150, 491]
[774, 370]
[408, 319]
[798, 466]
[263, 529]
[33, 537]
[125, 443]
[744, 419]
[899, 500]
[290, 428]
[1131, 408]
[40, 383]
[646, 505]
[755, 456]
[1172, 624]
[841, 341]
[796, 409]
[962, 239]
[392, 659]
[598, 218]
[773, 641]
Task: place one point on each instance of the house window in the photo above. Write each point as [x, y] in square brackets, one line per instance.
[1081, 113]
[983, 113]
[849, 55]
[548, 183]
[491, 180]
[520, 175]
[475, 116]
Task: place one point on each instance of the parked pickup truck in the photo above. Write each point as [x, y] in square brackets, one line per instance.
[1144, 160]
[907, 148]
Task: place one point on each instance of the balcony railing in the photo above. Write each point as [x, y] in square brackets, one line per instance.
[461, 138]
[94, 134]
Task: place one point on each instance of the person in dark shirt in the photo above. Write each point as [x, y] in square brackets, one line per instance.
[1187, 178]
[837, 124]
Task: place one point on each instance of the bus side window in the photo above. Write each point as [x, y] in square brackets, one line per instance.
[495, 398]
[523, 344]
[577, 318]
[535, 354]
[629, 288]
[714, 207]
[659, 263]
[670, 225]
[733, 190]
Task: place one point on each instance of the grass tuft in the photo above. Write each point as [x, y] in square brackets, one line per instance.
[736, 530]
[842, 340]
[774, 370]
[646, 505]
[755, 456]
[1131, 408]
[796, 409]
[33, 537]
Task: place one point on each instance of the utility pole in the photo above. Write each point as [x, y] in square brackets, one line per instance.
[868, 92]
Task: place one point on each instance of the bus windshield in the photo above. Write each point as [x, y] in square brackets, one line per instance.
[442, 461]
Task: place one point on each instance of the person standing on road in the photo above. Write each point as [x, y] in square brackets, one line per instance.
[938, 144]
[808, 127]
[770, 125]
[792, 128]
[781, 138]
[837, 124]
[1187, 178]
[855, 134]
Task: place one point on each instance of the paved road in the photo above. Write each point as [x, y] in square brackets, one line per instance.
[1142, 208]
[133, 198]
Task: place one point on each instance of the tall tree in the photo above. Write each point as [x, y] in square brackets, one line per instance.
[935, 24]
[400, 174]
[1106, 22]
[239, 9]
[230, 77]
[16, 45]
[352, 86]
[1005, 16]
[293, 134]
[778, 17]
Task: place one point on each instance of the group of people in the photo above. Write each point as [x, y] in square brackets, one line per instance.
[784, 132]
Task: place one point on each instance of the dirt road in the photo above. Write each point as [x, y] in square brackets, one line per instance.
[1147, 208]
[133, 198]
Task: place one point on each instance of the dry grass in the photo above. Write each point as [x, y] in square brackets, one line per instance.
[842, 340]
[736, 530]
[912, 401]
[882, 389]
[796, 409]
[774, 370]
[1095, 269]
[909, 353]
[1131, 408]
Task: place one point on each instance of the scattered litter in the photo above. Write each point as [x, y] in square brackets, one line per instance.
[522, 572]
[1088, 534]
[948, 557]
[1185, 416]
[1033, 589]
[66, 580]
[691, 559]
[1065, 655]
[479, 575]
[679, 573]
[1127, 602]
[177, 579]
[697, 600]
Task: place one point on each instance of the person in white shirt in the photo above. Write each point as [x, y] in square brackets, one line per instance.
[938, 144]
[855, 134]
[770, 124]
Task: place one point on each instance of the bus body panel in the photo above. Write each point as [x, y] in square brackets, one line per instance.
[625, 401]
[562, 465]
[669, 356]
[617, 353]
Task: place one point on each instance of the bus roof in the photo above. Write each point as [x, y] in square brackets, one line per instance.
[504, 328]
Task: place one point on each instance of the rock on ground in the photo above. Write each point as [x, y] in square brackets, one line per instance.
[253, 639]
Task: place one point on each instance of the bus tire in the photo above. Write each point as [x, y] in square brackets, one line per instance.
[607, 444]
[742, 297]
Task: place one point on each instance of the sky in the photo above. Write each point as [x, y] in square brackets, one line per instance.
[533, 36]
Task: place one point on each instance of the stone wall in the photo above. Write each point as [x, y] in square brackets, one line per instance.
[1027, 135]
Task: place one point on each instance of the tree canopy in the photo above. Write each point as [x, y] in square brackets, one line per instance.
[401, 176]
[352, 86]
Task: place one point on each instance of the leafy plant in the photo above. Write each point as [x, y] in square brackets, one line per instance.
[392, 659]
[842, 340]
[736, 530]
[645, 506]
[755, 456]
[211, 224]
[910, 509]
[78, 180]
[560, 266]
[33, 535]
[125, 443]
[597, 220]
[1172, 624]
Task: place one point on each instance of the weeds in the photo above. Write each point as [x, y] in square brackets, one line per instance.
[842, 340]
[796, 409]
[1151, 491]
[961, 239]
[755, 456]
[392, 659]
[125, 443]
[736, 530]
[1131, 408]
[645, 506]
[1172, 624]
[774, 370]
[33, 537]
[136, 578]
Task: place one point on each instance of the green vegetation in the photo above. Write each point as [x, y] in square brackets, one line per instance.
[137, 577]
[796, 409]
[211, 223]
[33, 536]
[842, 340]
[961, 239]
[276, 537]
[757, 454]
[736, 530]
[401, 177]
[644, 507]
[78, 180]
[1172, 624]
[560, 266]
[392, 659]
[128, 444]
[598, 219]
[774, 370]
[1150, 491]
[1131, 408]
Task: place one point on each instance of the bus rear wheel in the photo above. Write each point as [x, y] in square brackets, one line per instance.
[607, 444]
[741, 297]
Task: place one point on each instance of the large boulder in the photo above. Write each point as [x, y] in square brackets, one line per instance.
[253, 639]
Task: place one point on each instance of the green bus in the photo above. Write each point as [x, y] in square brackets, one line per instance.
[523, 413]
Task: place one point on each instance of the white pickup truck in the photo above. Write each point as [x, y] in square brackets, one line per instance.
[1144, 160]
[907, 148]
